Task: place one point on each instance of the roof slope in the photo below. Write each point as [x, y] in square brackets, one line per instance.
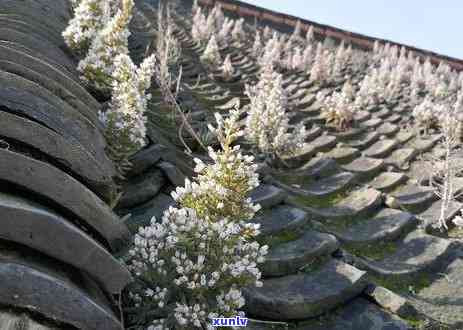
[361, 40]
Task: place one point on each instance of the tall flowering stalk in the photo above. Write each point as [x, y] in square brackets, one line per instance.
[296, 36]
[199, 29]
[90, 16]
[267, 123]
[371, 93]
[338, 109]
[256, 50]
[227, 68]
[307, 56]
[214, 23]
[167, 48]
[98, 66]
[211, 55]
[427, 114]
[309, 37]
[125, 119]
[193, 264]
[321, 67]
[224, 33]
[238, 33]
[271, 55]
[446, 171]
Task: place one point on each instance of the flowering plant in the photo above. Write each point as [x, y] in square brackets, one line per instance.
[199, 29]
[371, 91]
[338, 109]
[427, 114]
[211, 55]
[271, 54]
[195, 262]
[125, 119]
[444, 172]
[267, 123]
[90, 16]
[168, 48]
[238, 33]
[322, 66]
[227, 69]
[112, 40]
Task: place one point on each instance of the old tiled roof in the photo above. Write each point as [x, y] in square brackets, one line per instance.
[266, 15]
[341, 219]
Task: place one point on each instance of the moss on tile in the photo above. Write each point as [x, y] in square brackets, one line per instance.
[280, 238]
[315, 264]
[316, 202]
[374, 251]
[403, 286]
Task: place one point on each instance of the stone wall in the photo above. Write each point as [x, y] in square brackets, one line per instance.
[359, 40]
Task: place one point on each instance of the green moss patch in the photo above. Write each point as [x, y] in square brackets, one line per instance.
[280, 238]
[315, 264]
[316, 202]
[403, 286]
[374, 251]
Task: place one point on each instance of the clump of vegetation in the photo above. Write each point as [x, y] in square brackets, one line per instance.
[211, 55]
[321, 66]
[193, 265]
[98, 66]
[427, 115]
[227, 69]
[125, 120]
[267, 123]
[445, 171]
[371, 93]
[338, 109]
[99, 31]
[90, 16]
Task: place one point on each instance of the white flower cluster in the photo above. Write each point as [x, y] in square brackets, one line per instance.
[168, 49]
[342, 61]
[238, 33]
[338, 109]
[295, 60]
[193, 315]
[214, 24]
[211, 55]
[371, 92]
[309, 35]
[296, 35]
[90, 16]
[271, 55]
[224, 34]
[200, 30]
[97, 67]
[257, 46]
[75, 3]
[227, 68]
[291, 53]
[322, 65]
[267, 122]
[107, 66]
[399, 68]
[427, 114]
[201, 255]
[125, 119]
